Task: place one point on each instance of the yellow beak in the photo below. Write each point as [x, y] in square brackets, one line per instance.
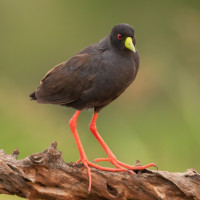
[129, 44]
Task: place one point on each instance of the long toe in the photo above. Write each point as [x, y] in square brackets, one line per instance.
[101, 159]
[89, 175]
[144, 167]
[119, 164]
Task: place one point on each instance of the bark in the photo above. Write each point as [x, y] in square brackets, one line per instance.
[46, 176]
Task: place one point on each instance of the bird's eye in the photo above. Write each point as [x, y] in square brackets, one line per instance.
[119, 37]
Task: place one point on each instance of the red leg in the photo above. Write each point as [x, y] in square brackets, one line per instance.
[72, 124]
[109, 153]
[93, 129]
[83, 156]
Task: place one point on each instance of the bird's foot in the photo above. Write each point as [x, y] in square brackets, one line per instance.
[88, 163]
[120, 166]
[117, 163]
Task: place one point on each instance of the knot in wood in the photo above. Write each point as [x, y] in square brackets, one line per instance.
[37, 158]
[50, 155]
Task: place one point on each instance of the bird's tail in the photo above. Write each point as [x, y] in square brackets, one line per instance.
[32, 96]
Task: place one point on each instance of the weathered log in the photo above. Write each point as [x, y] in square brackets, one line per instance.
[46, 176]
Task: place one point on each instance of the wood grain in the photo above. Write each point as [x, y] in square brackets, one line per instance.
[46, 176]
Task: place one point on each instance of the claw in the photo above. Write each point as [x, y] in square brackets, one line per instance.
[155, 166]
[132, 172]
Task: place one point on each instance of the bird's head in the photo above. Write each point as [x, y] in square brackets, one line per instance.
[122, 37]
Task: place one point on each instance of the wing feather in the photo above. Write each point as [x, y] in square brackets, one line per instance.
[67, 81]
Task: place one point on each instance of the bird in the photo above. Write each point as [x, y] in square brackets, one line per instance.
[92, 79]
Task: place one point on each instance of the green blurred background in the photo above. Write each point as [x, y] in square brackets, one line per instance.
[157, 118]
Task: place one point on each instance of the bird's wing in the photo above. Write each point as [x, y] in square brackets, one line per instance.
[67, 81]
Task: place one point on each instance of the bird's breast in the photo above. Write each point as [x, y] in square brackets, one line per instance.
[115, 75]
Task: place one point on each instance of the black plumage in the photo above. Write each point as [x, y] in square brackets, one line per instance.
[93, 77]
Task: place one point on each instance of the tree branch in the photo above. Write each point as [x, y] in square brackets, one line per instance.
[46, 176]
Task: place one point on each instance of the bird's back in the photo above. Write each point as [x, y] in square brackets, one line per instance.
[91, 79]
